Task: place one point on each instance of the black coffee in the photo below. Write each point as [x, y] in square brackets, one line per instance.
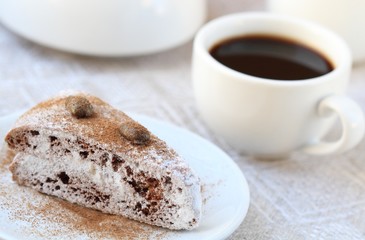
[271, 57]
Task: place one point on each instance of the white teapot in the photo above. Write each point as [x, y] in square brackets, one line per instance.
[105, 28]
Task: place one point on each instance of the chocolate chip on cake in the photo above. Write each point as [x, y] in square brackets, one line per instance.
[135, 133]
[79, 106]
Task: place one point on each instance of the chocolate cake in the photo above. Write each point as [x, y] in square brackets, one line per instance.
[79, 148]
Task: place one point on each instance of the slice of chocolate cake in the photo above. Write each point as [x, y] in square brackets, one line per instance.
[81, 149]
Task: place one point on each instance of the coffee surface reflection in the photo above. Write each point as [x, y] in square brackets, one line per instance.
[271, 57]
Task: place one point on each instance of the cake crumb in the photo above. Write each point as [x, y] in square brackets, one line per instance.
[46, 217]
[6, 156]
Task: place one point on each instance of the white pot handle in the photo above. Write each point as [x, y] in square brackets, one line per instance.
[353, 125]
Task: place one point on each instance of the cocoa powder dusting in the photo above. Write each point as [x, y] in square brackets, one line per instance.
[46, 217]
[102, 127]
[97, 224]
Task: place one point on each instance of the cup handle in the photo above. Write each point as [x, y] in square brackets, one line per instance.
[353, 125]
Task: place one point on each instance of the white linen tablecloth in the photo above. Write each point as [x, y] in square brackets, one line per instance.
[303, 197]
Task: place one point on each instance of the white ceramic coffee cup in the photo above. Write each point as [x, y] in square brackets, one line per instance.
[271, 118]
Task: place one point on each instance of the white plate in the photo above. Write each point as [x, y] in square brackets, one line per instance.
[226, 193]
